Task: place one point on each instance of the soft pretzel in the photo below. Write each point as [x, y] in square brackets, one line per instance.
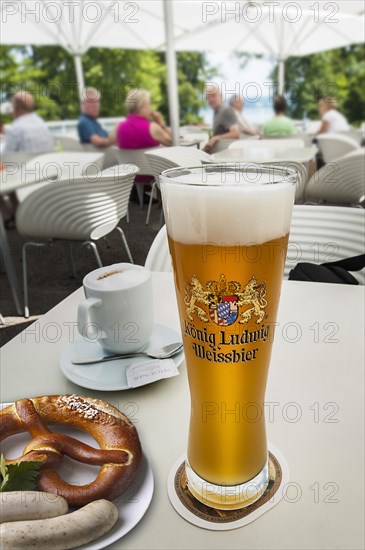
[119, 454]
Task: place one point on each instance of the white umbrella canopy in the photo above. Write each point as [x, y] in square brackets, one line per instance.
[77, 25]
[277, 28]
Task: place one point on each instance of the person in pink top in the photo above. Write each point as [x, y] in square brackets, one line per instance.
[143, 128]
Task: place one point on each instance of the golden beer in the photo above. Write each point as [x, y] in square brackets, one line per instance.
[228, 279]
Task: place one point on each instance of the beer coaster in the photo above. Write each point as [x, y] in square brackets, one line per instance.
[199, 514]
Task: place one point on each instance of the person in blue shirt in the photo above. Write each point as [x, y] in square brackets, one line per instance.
[89, 129]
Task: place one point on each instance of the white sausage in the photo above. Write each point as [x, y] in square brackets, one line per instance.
[24, 505]
[69, 531]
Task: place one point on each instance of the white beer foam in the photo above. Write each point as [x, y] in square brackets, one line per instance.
[117, 277]
[243, 210]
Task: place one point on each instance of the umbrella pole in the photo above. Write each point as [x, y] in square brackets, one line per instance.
[171, 73]
[79, 74]
[281, 76]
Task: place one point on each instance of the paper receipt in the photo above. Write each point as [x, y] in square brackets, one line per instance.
[147, 372]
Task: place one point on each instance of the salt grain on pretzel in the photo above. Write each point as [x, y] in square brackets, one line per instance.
[119, 454]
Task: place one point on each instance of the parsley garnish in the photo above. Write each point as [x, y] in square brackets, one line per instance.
[22, 476]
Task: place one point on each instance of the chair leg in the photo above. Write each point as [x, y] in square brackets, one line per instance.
[70, 260]
[128, 215]
[150, 202]
[140, 193]
[94, 248]
[125, 244]
[25, 274]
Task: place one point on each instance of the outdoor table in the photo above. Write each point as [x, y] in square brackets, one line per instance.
[315, 399]
[266, 154]
[190, 142]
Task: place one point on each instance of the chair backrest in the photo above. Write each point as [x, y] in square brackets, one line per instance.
[281, 144]
[137, 157]
[109, 159]
[79, 209]
[67, 143]
[334, 146]
[224, 144]
[302, 172]
[158, 257]
[164, 158]
[318, 234]
[357, 134]
[339, 182]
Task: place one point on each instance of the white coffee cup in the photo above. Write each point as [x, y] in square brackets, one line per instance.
[118, 310]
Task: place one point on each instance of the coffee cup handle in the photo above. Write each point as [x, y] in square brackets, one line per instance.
[85, 324]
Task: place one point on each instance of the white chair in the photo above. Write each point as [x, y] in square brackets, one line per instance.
[76, 210]
[158, 257]
[68, 165]
[224, 144]
[334, 146]
[163, 158]
[357, 134]
[109, 159]
[278, 145]
[302, 172]
[318, 234]
[68, 143]
[138, 158]
[340, 182]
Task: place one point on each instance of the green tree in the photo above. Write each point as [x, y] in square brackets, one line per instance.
[339, 73]
[48, 72]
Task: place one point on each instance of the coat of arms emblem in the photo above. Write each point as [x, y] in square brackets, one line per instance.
[224, 300]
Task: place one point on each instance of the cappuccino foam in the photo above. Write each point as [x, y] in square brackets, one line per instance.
[117, 277]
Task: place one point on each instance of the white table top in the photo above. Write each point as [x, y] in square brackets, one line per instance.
[49, 167]
[315, 395]
[265, 154]
[21, 176]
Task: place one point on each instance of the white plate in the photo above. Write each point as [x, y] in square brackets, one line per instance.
[111, 375]
[132, 504]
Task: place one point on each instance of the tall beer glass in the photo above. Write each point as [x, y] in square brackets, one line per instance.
[228, 228]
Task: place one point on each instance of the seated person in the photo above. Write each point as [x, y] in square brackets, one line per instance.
[237, 104]
[225, 124]
[332, 119]
[279, 125]
[27, 134]
[143, 127]
[89, 129]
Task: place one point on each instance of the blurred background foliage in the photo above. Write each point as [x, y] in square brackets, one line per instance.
[339, 73]
[48, 72]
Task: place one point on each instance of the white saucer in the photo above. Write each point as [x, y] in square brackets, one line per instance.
[111, 375]
[132, 504]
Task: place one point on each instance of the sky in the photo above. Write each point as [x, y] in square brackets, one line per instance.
[249, 82]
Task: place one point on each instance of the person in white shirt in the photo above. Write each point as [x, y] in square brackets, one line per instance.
[28, 133]
[237, 103]
[332, 119]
